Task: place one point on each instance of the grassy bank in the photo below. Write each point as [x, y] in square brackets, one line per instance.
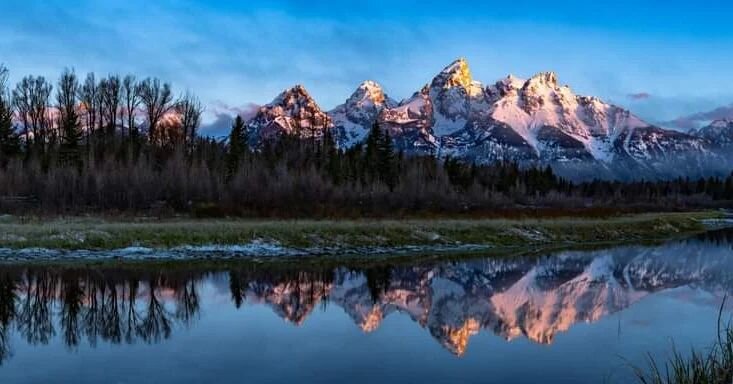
[101, 234]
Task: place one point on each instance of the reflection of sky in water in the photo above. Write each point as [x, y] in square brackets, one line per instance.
[574, 317]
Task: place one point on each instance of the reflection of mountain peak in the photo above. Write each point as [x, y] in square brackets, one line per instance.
[527, 309]
[540, 298]
[372, 320]
[291, 300]
[456, 339]
[532, 298]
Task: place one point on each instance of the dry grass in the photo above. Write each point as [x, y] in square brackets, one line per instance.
[96, 233]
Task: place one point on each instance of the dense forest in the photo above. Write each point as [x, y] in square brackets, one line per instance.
[121, 145]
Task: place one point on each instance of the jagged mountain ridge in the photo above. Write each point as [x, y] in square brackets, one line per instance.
[533, 121]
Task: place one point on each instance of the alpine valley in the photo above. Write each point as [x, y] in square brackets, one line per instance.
[532, 122]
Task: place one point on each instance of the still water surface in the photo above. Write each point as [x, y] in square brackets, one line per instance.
[569, 317]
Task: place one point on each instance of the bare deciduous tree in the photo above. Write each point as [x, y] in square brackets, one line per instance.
[66, 96]
[110, 94]
[157, 99]
[31, 98]
[89, 96]
[131, 102]
[68, 118]
[21, 100]
[190, 109]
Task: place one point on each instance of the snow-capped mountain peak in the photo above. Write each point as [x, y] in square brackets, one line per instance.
[353, 119]
[292, 101]
[457, 74]
[542, 89]
[548, 79]
[293, 112]
[369, 94]
[721, 123]
[455, 98]
[508, 85]
[719, 133]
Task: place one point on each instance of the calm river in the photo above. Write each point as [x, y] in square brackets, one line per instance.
[568, 317]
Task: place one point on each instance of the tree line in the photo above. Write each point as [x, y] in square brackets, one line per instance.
[120, 145]
[79, 121]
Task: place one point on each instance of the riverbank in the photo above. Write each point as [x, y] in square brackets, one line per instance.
[175, 237]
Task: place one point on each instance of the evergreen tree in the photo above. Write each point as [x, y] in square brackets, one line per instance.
[387, 163]
[237, 146]
[68, 123]
[332, 157]
[371, 152]
[71, 137]
[9, 140]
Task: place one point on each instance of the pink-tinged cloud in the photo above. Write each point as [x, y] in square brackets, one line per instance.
[246, 111]
[697, 119]
[639, 96]
[221, 117]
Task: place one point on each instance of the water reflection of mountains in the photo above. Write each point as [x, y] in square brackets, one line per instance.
[521, 297]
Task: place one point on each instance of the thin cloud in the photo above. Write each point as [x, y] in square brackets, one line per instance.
[221, 116]
[639, 96]
[695, 120]
[246, 111]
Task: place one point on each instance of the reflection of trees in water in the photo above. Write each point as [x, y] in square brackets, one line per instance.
[237, 287]
[7, 314]
[72, 303]
[292, 293]
[187, 302]
[111, 306]
[156, 324]
[34, 316]
[378, 281]
[131, 317]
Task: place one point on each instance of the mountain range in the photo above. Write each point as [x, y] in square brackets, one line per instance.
[535, 121]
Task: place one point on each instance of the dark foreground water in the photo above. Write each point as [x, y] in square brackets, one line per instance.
[570, 317]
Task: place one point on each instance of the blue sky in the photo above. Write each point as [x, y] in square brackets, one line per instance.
[675, 56]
